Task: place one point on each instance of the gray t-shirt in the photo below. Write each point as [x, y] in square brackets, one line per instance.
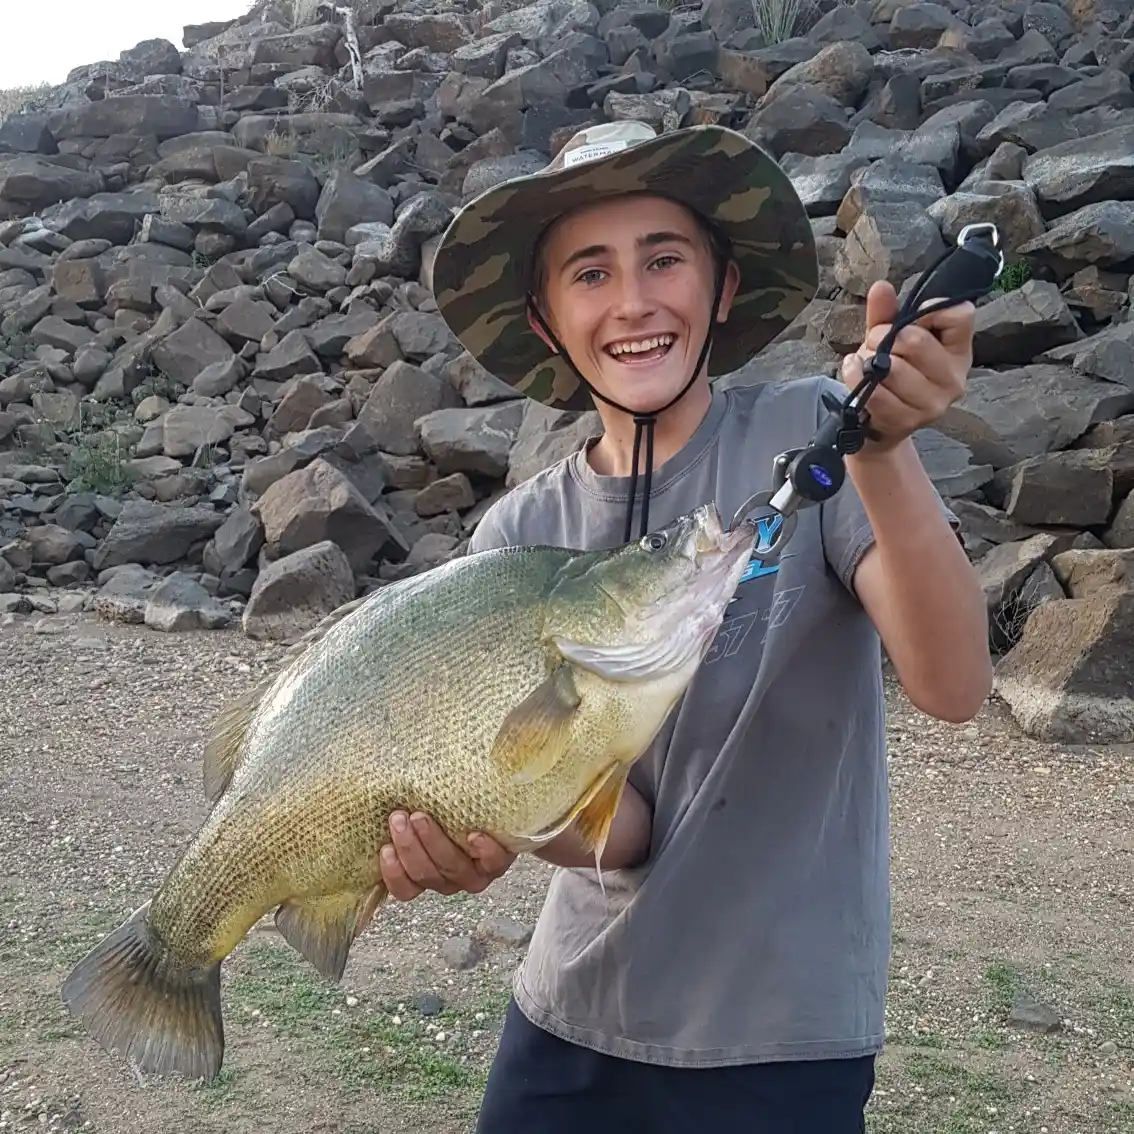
[759, 927]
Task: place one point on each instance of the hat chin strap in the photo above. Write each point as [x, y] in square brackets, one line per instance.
[644, 422]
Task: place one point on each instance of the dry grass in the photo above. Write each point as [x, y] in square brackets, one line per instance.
[777, 20]
[13, 100]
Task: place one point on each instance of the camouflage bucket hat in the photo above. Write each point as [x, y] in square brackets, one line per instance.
[480, 268]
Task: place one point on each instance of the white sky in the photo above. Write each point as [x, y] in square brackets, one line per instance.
[41, 40]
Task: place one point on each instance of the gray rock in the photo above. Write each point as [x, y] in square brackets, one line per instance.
[398, 399]
[1017, 326]
[471, 440]
[184, 353]
[113, 217]
[1073, 488]
[180, 603]
[235, 544]
[137, 115]
[315, 271]
[1084, 171]
[149, 533]
[293, 594]
[1070, 677]
[347, 200]
[123, 594]
[317, 503]
[1008, 416]
[1099, 234]
[891, 242]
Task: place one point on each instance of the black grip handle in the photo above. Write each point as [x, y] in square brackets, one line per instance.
[966, 272]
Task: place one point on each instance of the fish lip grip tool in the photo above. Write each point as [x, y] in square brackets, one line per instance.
[802, 478]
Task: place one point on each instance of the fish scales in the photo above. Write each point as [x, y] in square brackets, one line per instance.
[332, 761]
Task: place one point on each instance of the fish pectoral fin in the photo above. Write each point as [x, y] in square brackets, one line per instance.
[222, 752]
[324, 929]
[534, 734]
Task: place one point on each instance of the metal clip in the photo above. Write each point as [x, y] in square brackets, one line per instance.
[774, 501]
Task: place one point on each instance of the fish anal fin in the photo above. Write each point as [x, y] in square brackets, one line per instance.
[323, 929]
[592, 815]
[534, 734]
[222, 752]
[595, 817]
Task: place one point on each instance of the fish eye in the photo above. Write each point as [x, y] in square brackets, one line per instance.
[654, 542]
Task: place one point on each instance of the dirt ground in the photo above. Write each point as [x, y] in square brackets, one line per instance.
[1012, 998]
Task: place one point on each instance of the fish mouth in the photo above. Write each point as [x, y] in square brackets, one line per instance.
[711, 539]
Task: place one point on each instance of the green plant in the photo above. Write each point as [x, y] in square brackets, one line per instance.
[1014, 275]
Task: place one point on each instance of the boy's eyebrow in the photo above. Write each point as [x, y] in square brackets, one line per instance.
[649, 239]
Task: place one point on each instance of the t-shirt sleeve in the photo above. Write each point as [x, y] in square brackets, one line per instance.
[490, 531]
[846, 530]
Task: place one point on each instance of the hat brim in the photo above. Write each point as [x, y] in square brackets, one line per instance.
[480, 264]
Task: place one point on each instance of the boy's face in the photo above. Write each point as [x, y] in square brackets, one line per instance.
[628, 290]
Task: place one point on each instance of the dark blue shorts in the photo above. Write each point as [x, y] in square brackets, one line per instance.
[542, 1084]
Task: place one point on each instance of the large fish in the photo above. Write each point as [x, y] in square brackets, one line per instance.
[507, 692]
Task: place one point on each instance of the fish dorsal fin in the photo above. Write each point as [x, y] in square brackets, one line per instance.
[534, 734]
[222, 752]
[226, 742]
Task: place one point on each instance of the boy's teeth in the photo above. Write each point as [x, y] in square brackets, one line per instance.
[642, 345]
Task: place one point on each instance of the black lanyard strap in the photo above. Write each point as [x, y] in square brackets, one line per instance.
[802, 478]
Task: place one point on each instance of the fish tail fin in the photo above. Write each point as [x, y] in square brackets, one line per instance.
[134, 1000]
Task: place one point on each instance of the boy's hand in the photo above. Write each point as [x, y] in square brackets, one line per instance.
[929, 371]
[422, 857]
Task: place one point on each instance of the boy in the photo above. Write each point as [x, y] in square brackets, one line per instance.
[734, 976]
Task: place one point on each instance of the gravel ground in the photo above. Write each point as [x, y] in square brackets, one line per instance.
[1012, 1005]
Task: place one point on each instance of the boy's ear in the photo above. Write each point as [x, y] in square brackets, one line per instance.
[537, 326]
[728, 292]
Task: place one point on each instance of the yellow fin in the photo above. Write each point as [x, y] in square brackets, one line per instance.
[534, 734]
[595, 817]
[324, 929]
[222, 752]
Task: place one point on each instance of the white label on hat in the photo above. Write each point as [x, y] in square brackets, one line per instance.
[589, 153]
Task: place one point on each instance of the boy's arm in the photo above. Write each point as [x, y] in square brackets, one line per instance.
[914, 580]
[919, 588]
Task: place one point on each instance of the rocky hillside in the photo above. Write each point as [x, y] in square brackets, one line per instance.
[225, 392]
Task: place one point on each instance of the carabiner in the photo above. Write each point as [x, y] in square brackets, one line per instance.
[983, 226]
